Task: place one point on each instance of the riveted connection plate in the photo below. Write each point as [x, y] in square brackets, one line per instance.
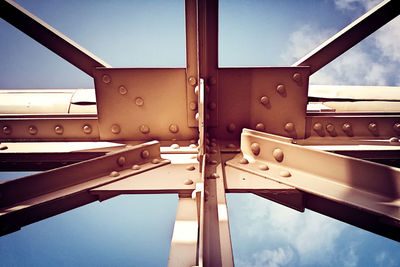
[266, 99]
[142, 104]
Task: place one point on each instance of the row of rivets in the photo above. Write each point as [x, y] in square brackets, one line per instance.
[58, 129]
[348, 129]
[116, 129]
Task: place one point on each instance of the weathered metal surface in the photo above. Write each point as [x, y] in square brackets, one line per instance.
[32, 198]
[349, 182]
[350, 35]
[353, 92]
[142, 104]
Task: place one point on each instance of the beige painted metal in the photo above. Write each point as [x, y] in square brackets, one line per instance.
[350, 35]
[183, 251]
[354, 92]
[378, 107]
[49, 37]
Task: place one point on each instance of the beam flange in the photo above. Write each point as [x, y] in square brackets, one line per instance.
[369, 188]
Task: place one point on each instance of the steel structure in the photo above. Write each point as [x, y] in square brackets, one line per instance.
[200, 114]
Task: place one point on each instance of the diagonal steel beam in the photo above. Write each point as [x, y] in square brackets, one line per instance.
[32, 198]
[335, 185]
[350, 35]
[50, 37]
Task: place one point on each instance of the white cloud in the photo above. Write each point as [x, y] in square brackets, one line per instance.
[383, 259]
[350, 258]
[354, 4]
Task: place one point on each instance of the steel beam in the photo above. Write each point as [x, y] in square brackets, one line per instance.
[350, 35]
[50, 37]
[350, 184]
[36, 197]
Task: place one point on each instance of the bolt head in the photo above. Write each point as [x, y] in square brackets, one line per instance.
[190, 168]
[145, 154]
[396, 127]
[156, 161]
[135, 167]
[32, 130]
[175, 146]
[297, 77]
[59, 129]
[173, 128]
[317, 127]
[231, 127]
[114, 174]
[121, 161]
[281, 89]
[284, 173]
[264, 100]
[139, 101]
[193, 106]
[188, 182]
[144, 129]
[212, 81]
[263, 167]
[243, 161]
[330, 128]
[122, 90]
[192, 81]
[373, 127]
[7, 130]
[87, 129]
[278, 154]
[260, 127]
[197, 116]
[255, 148]
[106, 79]
[212, 105]
[289, 127]
[346, 127]
[115, 129]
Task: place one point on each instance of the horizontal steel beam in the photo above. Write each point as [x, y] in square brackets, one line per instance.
[50, 37]
[36, 197]
[350, 36]
[366, 188]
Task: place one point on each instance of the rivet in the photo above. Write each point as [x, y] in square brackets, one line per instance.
[278, 154]
[3, 147]
[192, 81]
[145, 154]
[373, 127]
[212, 105]
[156, 161]
[144, 129]
[207, 141]
[243, 161]
[212, 81]
[394, 140]
[122, 90]
[255, 148]
[32, 130]
[114, 174]
[396, 127]
[87, 129]
[289, 127]
[264, 100]
[317, 127]
[284, 173]
[136, 167]
[260, 127]
[263, 167]
[330, 128]
[115, 129]
[192, 146]
[7, 130]
[197, 116]
[297, 77]
[175, 146]
[231, 127]
[196, 90]
[139, 101]
[106, 78]
[121, 161]
[59, 129]
[231, 146]
[173, 128]
[214, 176]
[213, 140]
[347, 128]
[213, 151]
[190, 168]
[213, 144]
[193, 106]
[188, 182]
[281, 89]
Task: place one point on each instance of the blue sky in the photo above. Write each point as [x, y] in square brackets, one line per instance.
[136, 230]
